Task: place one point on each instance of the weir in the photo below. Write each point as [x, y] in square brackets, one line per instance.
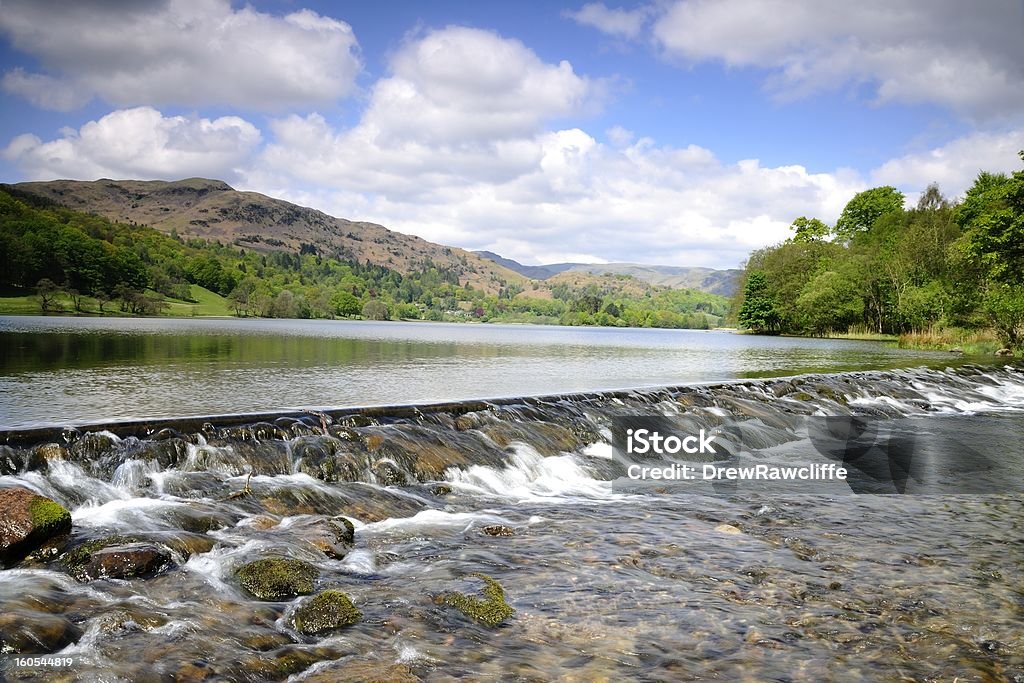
[408, 444]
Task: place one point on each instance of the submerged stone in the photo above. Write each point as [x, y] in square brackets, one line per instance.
[277, 578]
[490, 611]
[27, 632]
[498, 530]
[27, 521]
[127, 561]
[325, 612]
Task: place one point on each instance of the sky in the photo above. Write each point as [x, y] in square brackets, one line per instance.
[671, 132]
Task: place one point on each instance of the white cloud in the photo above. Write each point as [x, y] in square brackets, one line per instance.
[966, 56]
[185, 52]
[955, 165]
[613, 21]
[463, 84]
[460, 106]
[139, 143]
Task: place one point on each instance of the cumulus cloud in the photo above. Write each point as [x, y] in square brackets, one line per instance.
[968, 57]
[955, 165]
[185, 52]
[139, 143]
[616, 22]
[569, 197]
[460, 105]
[463, 84]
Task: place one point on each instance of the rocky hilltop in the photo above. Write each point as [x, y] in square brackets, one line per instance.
[213, 210]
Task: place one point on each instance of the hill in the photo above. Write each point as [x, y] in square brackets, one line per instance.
[213, 210]
[722, 282]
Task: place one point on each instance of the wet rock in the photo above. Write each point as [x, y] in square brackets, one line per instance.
[498, 530]
[332, 537]
[49, 452]
[325, 612]
[326, 458]
[364, 671]
[27, 632]
[491, 610]
[782, 388]
[441, 490]
[76, 557]
[292, 660]
[388, 473]
[200, 518]
[264, 641]
[128, 561]
[728, 529]
[27, 521]
[132, 618]
[277, 578]
[1005, 353]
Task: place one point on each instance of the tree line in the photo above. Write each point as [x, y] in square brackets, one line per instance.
[51, 250]
[941, 264]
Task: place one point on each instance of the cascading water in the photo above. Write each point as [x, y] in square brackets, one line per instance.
[606, 584]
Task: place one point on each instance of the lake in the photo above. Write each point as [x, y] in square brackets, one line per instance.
[65, 370]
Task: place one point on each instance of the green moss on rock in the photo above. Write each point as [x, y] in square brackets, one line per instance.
[490, 611]
[277, 578]
[49, 517]
[328, 611]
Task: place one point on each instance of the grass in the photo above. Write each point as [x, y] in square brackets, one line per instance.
[971, 342]
[207, 304]
[861, 335]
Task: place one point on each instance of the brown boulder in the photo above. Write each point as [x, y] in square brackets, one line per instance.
[126, 561]
[27, 521]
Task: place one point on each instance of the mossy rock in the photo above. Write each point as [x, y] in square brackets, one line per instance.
[277, 578]
[27, 521]
[77, 558]
[325, 612]
[490, 611]
[801, 396]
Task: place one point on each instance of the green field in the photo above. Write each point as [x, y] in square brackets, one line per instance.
[207, 304]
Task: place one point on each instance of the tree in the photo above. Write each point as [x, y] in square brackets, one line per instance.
[375, 309]
[829, 303]
[865, 208]
[47, 290]
[809, 230]
[285, 305]
[758, 312]
[345, 303]
[992, 215]
[1004, 305]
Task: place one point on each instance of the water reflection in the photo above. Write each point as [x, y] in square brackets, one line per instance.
[74, 370]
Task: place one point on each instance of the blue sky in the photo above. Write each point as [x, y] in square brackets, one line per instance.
[683, 132]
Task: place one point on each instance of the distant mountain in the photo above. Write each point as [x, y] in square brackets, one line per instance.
[213, 210]
[723, 282]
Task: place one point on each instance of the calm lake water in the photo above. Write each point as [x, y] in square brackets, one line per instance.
[63, 370]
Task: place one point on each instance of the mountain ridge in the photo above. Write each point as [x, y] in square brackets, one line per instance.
[711, 280]
[213, 210]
